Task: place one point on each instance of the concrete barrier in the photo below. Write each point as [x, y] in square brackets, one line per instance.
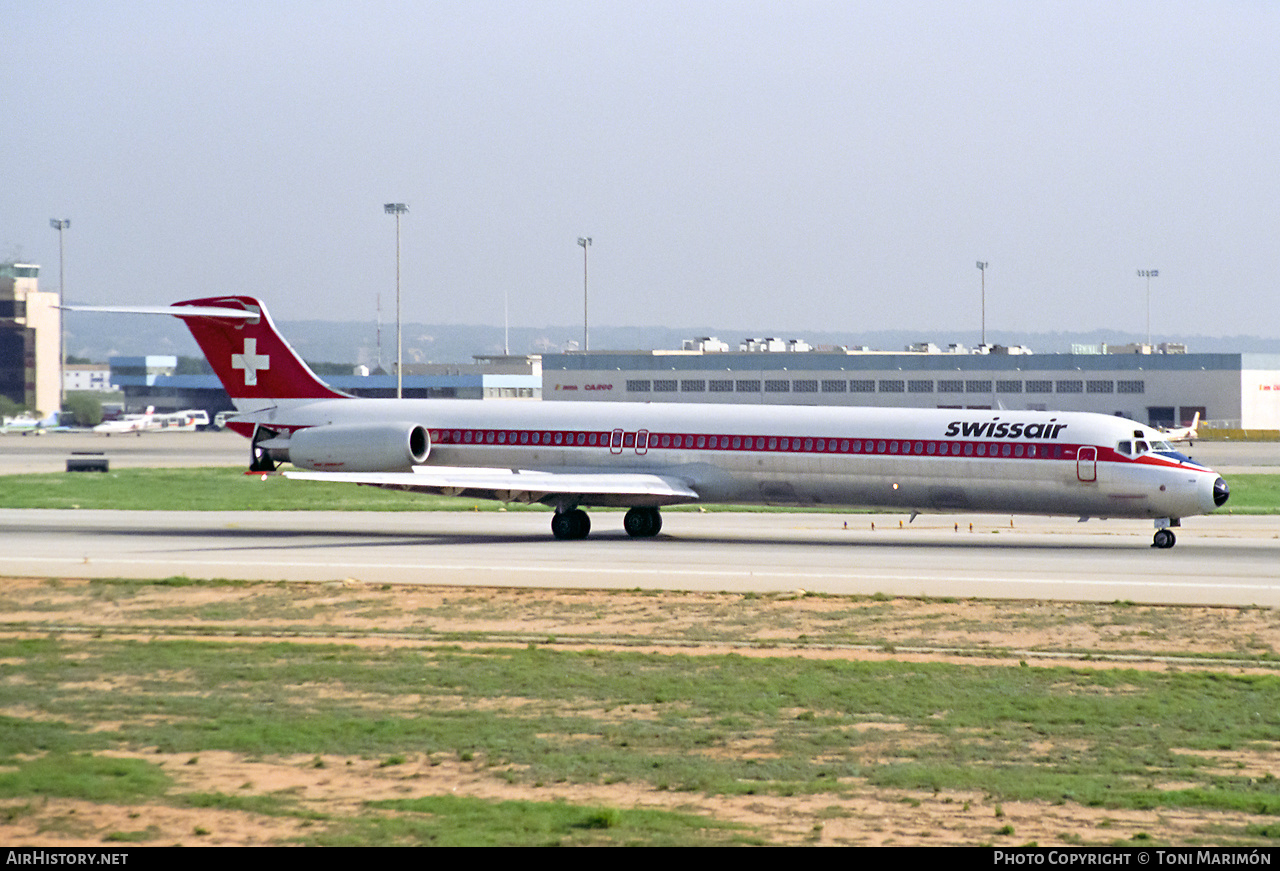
[88, 461]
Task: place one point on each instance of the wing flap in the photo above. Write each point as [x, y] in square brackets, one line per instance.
[521, 485]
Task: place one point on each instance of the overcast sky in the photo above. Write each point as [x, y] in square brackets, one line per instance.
[799, 165]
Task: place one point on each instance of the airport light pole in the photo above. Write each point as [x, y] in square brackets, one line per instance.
[982, 267]
[61, 225]
[398, 209]
[585, 242]
[1148, 274]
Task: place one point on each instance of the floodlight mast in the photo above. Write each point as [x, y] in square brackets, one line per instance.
[585, 242]
[982, 267]
[61, 225]
[1148, 274]
[398, 209]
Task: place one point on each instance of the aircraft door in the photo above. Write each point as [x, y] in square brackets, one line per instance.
[615, 442]
[642, 441]
[1087, 464]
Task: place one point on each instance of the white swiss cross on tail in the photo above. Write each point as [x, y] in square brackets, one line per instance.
[251, 362]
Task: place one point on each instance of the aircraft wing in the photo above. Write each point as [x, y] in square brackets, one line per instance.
[521, 485]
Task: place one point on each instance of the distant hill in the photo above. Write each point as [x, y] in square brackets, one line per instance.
[97, 337]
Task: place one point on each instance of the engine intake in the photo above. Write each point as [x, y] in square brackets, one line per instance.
[389, 447]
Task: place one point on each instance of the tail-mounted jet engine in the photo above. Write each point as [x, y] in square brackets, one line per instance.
[391, 447]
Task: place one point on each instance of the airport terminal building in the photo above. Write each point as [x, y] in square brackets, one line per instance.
[30, 327]
[153, 381]
[1237, 391]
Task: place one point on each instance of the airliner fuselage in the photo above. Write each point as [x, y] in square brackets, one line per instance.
[1075, 464]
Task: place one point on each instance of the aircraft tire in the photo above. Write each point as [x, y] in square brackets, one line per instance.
[570, 525]
[642, 522]
[1164, 539]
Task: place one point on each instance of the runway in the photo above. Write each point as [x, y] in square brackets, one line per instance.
[25, 454]
[1219, 560]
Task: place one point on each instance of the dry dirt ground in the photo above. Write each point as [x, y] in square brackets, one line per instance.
[972, 632]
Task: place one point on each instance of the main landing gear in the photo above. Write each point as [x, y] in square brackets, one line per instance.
[642, 522]
[574, 523]
[568, 525]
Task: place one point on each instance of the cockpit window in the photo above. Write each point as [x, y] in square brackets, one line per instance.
[1125, 448]
[1140, 447]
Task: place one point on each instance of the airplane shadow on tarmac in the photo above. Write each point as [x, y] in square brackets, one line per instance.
[319, 538]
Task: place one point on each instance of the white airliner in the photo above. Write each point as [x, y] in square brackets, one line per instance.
[25, 423]
[136, 423]
[1182, 433]
[642, 456]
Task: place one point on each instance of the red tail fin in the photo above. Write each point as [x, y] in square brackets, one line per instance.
[249, 356]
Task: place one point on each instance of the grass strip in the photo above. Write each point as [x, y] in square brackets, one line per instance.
[719, 724]
[229, 489]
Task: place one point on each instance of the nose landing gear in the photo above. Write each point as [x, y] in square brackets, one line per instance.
[1164, 539]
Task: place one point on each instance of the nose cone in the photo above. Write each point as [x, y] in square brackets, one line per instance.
[1221, 492]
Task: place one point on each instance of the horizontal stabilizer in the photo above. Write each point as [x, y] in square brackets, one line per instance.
[177, 311]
